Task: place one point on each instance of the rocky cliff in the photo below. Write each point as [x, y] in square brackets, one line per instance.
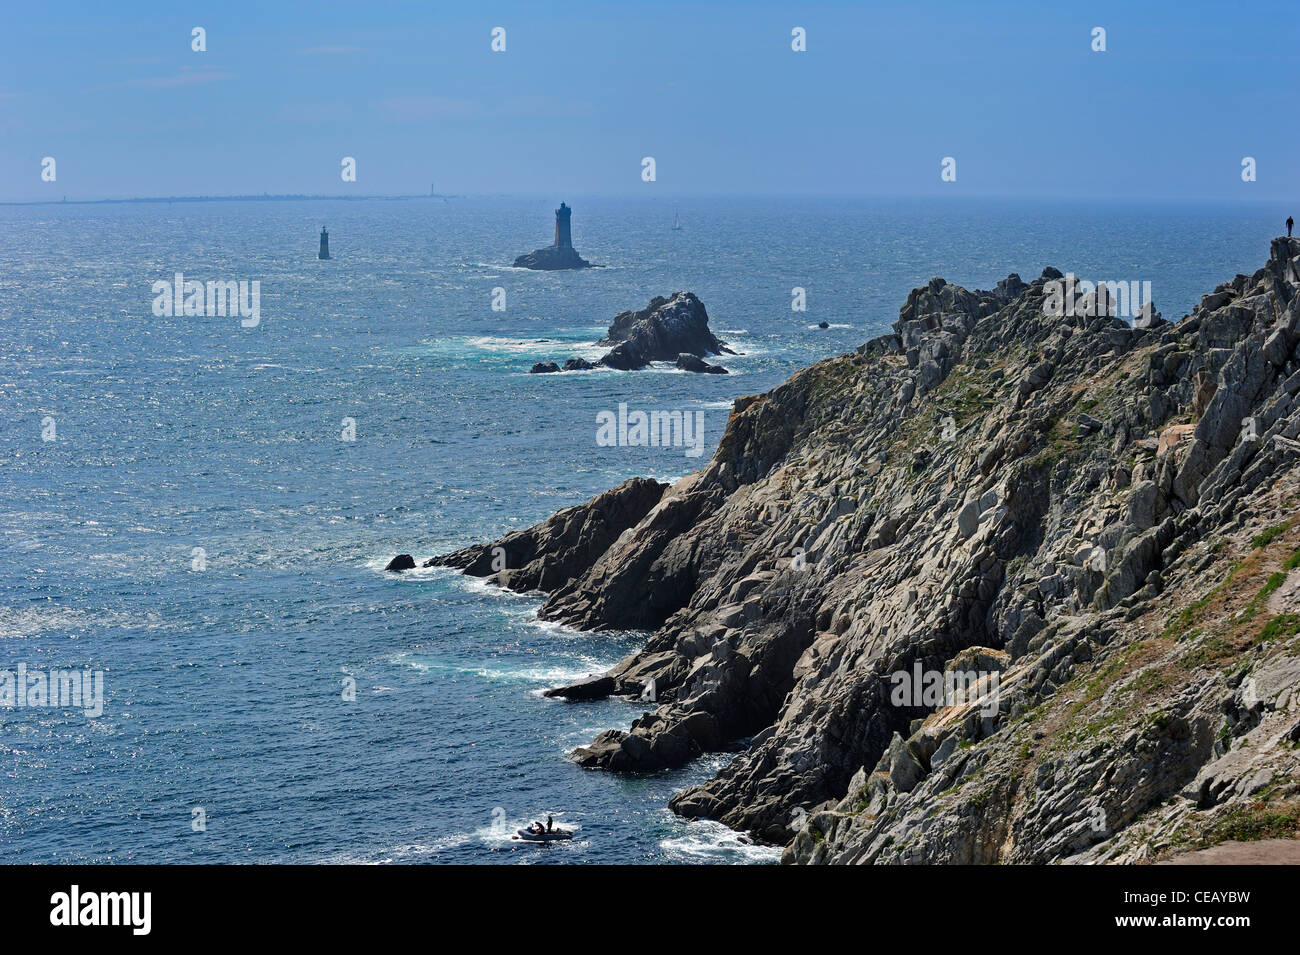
[1093, 522]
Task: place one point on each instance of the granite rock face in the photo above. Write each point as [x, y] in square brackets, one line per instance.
[1095, 520]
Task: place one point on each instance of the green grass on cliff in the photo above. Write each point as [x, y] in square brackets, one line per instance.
[965, 394]
[1220, 634]
[1260, 599]
[1255, 822]
[1272, 534]
[1182, 623]
[1282, 626]
[832, 387]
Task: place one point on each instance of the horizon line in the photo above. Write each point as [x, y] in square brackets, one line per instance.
[446, 197]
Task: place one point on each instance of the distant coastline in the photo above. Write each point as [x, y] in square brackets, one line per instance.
[262, 198]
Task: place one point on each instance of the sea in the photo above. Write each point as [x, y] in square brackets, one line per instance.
[197, 510]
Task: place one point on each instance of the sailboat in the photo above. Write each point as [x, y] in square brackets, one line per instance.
[677, 222]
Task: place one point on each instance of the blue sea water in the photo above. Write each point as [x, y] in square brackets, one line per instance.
[225, 686]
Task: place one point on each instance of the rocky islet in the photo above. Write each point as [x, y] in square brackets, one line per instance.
[672, 329]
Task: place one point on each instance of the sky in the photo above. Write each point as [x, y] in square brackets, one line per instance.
[714, 92]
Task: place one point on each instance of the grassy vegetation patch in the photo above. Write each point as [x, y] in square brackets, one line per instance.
[1194, 612]
[1212, 648]
[1272, 534]
[964, 395]
[1061, 441]
[831, 386]
[1260, 599]
[1255, 822]
[1218, 632]
[1280, 627]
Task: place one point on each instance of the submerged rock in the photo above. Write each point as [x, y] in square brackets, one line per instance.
[694, 363]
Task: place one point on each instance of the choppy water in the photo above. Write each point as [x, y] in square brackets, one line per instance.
[225, 685]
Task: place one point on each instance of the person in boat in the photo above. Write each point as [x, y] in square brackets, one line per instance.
[548, 823]
[537, 828]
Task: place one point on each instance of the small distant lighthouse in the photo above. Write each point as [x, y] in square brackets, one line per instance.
[324, 244]
[563, 237]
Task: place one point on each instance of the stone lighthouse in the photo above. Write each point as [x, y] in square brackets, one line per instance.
[558, 255]
[563, 237]
[324, 244]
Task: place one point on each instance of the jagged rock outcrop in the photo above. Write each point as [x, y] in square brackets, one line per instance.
[661, 331]
[1095, 521]
[668, 329]
[547, 555]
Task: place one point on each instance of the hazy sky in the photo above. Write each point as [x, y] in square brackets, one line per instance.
[714, 92]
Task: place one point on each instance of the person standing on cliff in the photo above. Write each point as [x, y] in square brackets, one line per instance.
[1289, 223]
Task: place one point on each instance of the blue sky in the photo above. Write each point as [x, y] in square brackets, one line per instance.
[413, 91]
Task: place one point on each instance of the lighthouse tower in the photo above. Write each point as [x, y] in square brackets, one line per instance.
[560, 254]
[324, 244]
[563, 237]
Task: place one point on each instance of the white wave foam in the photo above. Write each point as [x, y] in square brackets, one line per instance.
[710, 841]
[521, 345]
[549, 673]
